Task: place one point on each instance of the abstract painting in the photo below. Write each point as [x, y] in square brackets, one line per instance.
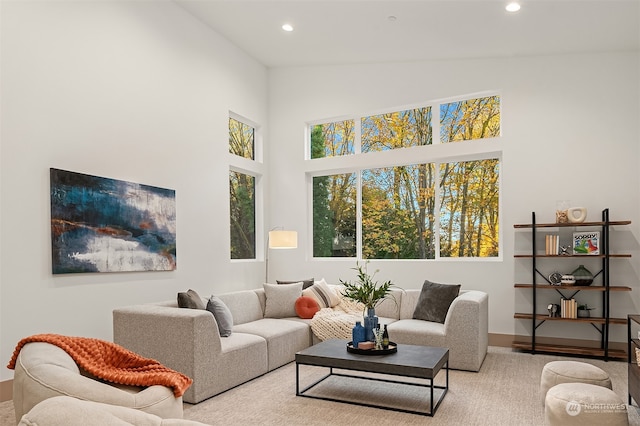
[107, 225]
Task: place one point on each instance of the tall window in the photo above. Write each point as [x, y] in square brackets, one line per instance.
[334, 215]
[431, 209]
[242, 192]
[397, 212]
[469, 208]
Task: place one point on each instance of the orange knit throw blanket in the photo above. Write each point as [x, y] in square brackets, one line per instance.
[111, 362]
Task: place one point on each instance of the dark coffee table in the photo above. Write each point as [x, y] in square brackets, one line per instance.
[422, 362]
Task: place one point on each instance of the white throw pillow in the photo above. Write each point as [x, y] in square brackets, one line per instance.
[281, 300]
[323, 294]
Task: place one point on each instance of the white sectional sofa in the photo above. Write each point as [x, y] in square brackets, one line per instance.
[188, 340]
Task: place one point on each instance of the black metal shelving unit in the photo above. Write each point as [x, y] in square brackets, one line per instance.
[601, 324]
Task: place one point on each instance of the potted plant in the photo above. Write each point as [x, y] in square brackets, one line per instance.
[583, 311]
[368, 292]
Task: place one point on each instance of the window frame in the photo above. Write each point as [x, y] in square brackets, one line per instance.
[437, 153]
[255, 168]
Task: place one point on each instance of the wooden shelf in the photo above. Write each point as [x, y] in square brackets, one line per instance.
[570, 350]
[570, 225]
[573, 287]
[590, 320]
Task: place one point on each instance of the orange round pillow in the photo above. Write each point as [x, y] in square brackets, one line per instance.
[306, 307]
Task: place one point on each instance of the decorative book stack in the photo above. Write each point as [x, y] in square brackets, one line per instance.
[568, 308]
[551, 244]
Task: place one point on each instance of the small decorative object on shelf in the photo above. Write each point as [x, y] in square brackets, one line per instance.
[554, 310]
[568, 280]
[584, 311]
[564, 250]
[586, 242]
[555, 278]
[577, 214]
[562, 211]
[582, 276]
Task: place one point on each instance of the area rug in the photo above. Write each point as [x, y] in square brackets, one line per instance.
[503, 392]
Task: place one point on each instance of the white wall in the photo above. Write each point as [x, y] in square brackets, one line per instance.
[136, 91]
[569, 132]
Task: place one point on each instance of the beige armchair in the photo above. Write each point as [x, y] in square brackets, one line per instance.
[44, 370]
[68, 411]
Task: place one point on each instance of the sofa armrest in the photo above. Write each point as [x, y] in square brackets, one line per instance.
[181, 339]
[467, 328]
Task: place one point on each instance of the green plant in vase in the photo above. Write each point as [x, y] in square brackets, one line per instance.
[583, 311]
[368, 292]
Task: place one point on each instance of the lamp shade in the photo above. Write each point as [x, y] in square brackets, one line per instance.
[283, 239]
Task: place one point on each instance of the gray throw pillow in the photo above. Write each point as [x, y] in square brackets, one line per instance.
[434, 301]
[281, 300]
[305, 283]
[190, 299]
[222, 314]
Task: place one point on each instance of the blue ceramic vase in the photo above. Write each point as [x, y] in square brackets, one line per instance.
[370, 324]
[357, 334]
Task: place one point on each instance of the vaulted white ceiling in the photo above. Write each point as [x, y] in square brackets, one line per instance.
[360, 31]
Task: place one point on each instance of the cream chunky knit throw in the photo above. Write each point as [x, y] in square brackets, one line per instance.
[337, 322]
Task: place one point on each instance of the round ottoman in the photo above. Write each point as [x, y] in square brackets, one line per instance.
[557, 372]
[583, 404]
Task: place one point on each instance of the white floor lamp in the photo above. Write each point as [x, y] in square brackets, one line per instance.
[279, 239]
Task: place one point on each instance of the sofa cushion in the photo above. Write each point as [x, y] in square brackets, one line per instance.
[306, 307]
[323, 294]
[281, 300]
[305, 283]
[190, 299]
[434, 301]
[245, 305]
[284, 338]
[222, 314]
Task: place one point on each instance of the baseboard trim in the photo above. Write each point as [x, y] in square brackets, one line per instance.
[502, 340]
[6, 390]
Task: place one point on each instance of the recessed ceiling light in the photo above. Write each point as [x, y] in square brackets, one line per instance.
[513, 7]
[391, 18]
[287, 27]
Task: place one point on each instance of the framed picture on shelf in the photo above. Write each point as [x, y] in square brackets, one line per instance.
[586, 242]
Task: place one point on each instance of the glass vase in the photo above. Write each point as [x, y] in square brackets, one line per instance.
[582, 276]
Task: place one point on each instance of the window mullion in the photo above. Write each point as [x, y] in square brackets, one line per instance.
[435, 124]
[357, 135]
[436, 212]
[359, 215]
